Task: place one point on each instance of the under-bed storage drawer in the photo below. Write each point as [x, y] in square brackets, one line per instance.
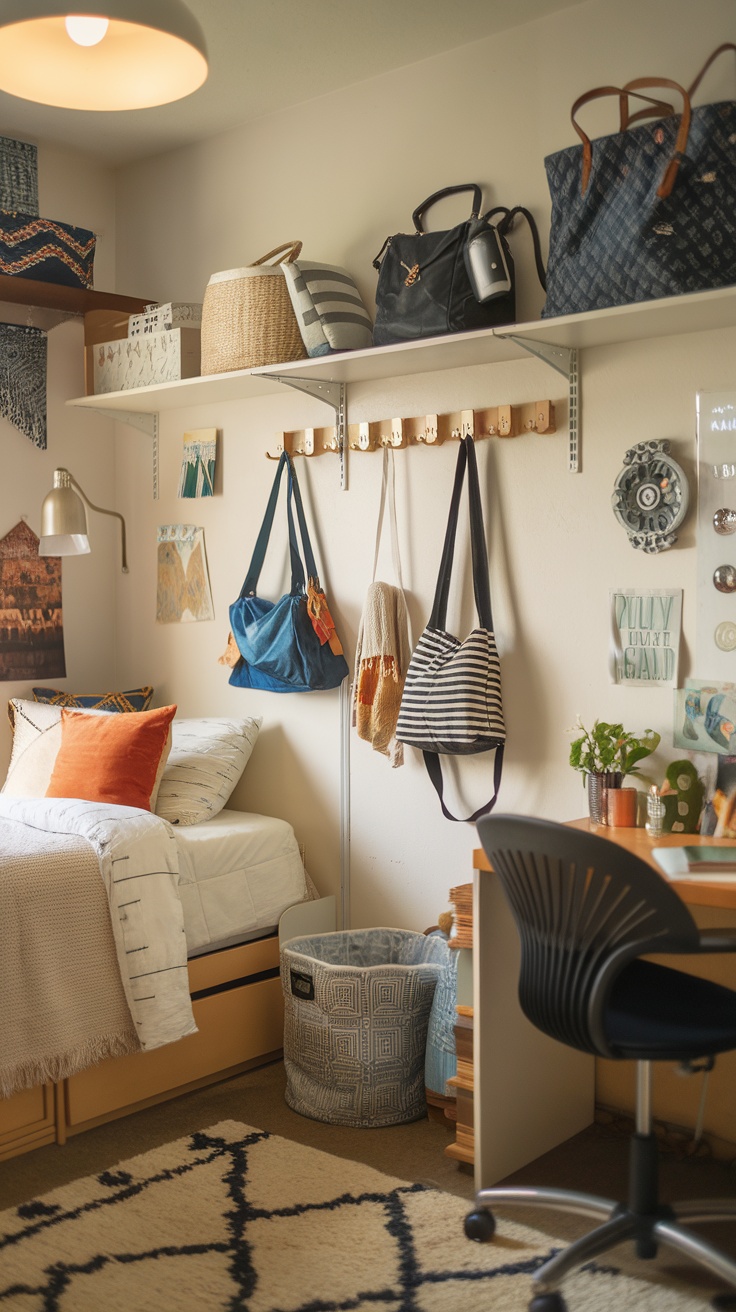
[235, 1026]
[26, 1120]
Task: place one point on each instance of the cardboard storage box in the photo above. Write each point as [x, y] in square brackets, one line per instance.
[143, 361]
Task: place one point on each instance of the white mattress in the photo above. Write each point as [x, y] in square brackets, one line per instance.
[238, 872]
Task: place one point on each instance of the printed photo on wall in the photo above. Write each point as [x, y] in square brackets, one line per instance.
[197, 478]
[31, 627]
[705, 717]
[183, 584]
[645, 636]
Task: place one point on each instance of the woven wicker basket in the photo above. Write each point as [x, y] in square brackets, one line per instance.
[247, 316]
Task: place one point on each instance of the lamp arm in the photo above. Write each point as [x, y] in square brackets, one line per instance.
[100, 510]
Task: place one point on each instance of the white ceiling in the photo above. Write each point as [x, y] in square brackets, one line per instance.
[266, 55]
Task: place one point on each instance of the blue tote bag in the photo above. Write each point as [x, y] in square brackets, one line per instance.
[280, 648]
[649, 211]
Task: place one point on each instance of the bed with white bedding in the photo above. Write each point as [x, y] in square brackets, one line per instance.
[237, 873]
[216, 883]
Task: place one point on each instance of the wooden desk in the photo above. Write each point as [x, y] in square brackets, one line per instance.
[530, 1092]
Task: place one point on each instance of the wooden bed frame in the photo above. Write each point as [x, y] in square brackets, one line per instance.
[238, 1006]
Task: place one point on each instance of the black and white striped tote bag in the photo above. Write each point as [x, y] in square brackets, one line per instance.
[451, 704]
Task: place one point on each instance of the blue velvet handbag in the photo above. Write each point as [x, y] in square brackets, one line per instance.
[280, 648]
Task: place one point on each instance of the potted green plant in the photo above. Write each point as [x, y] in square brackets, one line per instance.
[605, 755]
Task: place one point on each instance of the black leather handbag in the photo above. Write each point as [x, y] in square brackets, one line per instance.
[432, 283]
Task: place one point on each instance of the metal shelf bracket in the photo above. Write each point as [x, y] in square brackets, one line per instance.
[565, 360]
[333, 394]
[145, 422]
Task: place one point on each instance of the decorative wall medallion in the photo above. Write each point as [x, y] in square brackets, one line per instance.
[650, 496]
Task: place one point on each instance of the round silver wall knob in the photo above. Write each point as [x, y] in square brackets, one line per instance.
[724, 521]
[724, 578]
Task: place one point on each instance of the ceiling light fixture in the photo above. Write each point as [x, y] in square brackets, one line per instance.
[112, 55]
[64, 520]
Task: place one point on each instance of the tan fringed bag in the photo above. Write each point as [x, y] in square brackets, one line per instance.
[247, 316]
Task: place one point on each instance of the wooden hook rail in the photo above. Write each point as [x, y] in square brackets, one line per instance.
[428, 430]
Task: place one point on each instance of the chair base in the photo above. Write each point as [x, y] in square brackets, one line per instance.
[648, 1229]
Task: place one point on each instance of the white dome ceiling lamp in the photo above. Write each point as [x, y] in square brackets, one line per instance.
[113, 55]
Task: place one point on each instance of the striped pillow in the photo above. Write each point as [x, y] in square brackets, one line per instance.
[328, 308]
[207, 758]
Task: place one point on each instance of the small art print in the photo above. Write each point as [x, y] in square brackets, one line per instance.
[31, 627]
[645, 636]
[183, 591]
[705, 717]
[197, 478]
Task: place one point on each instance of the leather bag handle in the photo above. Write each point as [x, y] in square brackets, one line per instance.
[727, 45]
[293, 247]
[668, 109]
[420, 211]
[633, 88]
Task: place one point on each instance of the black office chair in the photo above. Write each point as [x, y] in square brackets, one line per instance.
[587, 911]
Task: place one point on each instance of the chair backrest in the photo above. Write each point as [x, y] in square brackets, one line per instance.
[584, 907]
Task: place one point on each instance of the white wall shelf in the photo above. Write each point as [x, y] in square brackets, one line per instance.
[557, 341]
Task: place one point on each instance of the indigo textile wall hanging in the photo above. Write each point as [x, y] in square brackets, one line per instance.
[23, 380]
[183, 590]
[18, 176]
[31, 627]
[197, 478]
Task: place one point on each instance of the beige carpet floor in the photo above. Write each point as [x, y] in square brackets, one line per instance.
[232, 1217]
[595, 1160]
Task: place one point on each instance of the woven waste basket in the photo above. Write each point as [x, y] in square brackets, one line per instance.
[247, 316]
[357, 1006]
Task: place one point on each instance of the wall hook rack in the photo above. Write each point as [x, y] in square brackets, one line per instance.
[425, 430]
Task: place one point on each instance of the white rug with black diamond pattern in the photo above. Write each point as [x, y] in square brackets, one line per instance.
[234, 1218]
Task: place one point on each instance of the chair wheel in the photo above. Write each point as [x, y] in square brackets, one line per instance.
[480, 1225]
[551, 1302]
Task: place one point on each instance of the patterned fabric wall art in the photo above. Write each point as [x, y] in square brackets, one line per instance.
[23, 380]
[31, 627]
[183, 591]
[18, 176]
[197, 477]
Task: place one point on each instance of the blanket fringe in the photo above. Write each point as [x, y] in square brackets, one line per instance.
[52, 1069]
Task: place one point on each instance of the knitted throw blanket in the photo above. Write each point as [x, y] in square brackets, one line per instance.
[381, 660]
[64, 1005]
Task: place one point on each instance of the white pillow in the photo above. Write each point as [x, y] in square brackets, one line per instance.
[36, 728]
[207, 758]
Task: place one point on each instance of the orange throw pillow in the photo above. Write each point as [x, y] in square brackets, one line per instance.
[111, 758]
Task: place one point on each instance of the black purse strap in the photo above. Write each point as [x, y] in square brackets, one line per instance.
[250, 583]
[481, 582]
[420, 211]
[434, 770]
[506, 224]
[482, 590]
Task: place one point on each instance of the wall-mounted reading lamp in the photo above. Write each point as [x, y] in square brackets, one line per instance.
[104, 55]
[64, 520]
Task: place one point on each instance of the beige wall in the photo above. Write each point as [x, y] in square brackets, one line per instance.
[341, 174]
[72, 190]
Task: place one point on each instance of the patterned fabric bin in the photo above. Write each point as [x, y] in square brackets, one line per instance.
[357, 1007]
